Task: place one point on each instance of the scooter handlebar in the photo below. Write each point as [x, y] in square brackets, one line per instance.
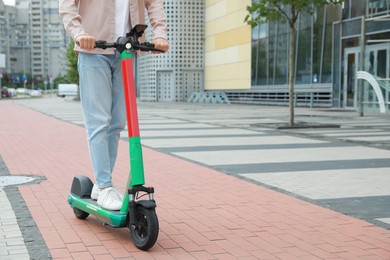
[146, 46]
[130, 42]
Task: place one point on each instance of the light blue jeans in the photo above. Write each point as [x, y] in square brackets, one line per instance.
[102, 99]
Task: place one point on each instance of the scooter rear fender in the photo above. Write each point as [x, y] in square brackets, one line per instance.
[81, 186]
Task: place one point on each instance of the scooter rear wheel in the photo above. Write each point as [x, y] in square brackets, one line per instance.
[145, 232]
[80, 214]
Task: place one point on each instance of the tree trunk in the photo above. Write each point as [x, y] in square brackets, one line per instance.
[291, 74]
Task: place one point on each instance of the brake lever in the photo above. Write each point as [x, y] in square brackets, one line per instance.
[147, 46]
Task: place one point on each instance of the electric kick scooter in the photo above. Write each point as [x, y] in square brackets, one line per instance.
[137, 214]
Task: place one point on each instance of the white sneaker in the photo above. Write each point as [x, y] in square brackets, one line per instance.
[110, 199]
[95, 192]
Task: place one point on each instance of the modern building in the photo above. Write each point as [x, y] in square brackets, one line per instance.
[7, 26]
[48, 40]
[251, 66]
[34, 39]
[228, 45]
[21, 51]
[176, 74]
[210, 50]
[367, 22]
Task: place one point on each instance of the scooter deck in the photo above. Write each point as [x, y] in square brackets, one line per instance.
[114, 218]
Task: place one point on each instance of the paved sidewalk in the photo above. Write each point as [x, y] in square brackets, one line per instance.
[11, 241]
[200, 165]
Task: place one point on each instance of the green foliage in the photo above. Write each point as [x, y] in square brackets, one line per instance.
[60, 80]
[8, 80]
[72, 74]
[262, 11]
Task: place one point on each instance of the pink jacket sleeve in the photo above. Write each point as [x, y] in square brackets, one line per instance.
[68, 10]
[155, 9]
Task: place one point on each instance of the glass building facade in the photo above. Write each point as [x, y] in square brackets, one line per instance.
[313, 49]
[328, 49]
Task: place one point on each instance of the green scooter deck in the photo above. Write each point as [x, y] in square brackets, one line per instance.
[88, 205]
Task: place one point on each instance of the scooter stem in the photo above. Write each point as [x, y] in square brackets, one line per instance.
[136, 160]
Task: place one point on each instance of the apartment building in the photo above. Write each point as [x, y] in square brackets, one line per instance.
[7, 26]
[48, 40]
[175, 75]
[36, 41]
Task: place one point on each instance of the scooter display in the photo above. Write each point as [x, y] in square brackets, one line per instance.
[138, 207]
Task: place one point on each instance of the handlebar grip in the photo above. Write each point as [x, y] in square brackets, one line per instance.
[101, 44]
[147, 46]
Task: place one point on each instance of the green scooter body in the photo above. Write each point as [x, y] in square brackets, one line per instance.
[136, 175]
[112, 218]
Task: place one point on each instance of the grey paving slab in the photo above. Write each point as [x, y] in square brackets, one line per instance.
[326, 184]
[230, 147]
[157, 121]
[223, 141]
[303, 166]
[187, 128]
[183, 125]
[370, 138]
[284, 155]
[195, 132]
[204, 136]
[356, 133]
[374, 208]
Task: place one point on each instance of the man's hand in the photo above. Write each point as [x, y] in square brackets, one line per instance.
[162, 44]
[86, 42]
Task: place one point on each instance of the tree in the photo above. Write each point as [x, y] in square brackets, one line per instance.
[263, 11]
[72, 73]
[60, 80]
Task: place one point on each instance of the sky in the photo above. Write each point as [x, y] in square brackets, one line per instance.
[9, 2]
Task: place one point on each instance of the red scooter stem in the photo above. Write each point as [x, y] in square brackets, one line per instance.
[130, 97]
[135, 149]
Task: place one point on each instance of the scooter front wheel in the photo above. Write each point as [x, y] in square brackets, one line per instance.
[145, 231]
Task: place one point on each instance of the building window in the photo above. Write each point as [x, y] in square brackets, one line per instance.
[304, 47]
[377, 7]
[260, 55]
[270, 49]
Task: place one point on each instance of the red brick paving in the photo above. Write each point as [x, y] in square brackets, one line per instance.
[203, 214]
